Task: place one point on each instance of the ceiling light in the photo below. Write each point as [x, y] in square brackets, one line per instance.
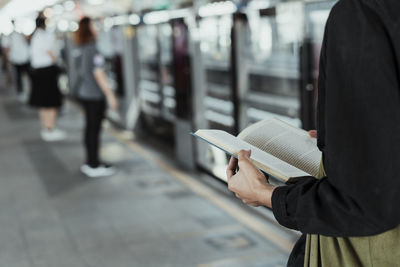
[48, 12]
[156, 17]
[108, 23]
[58, 9]
[95, 2]
[217, 9]
[134, 19]
[69, 5]
[73, 26]
[62, 25]
[120, 20]
[179, 13]
[261, 4]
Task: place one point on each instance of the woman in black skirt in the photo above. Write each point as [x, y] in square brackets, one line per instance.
[94, 93]
[45, 93]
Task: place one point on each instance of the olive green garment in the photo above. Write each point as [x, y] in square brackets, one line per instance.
[381, 250]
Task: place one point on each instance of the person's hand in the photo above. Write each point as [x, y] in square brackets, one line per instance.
[313, 133]
[112, 102]
[249, 183]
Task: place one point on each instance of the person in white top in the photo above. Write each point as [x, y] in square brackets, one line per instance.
[45, 93]
[44, 49]
[16, 48]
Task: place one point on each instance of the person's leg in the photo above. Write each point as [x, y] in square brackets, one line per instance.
[94, 114]
[26, 70]
[52, 117]
[90, 136]
[43, 118]
[86, 110]
[9, 72]
[18, 78]
[98, 116]
[48, 118]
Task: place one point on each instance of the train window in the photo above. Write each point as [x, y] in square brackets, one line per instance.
[215, 38]
[216, 45]
[148, 42]
[273, 64]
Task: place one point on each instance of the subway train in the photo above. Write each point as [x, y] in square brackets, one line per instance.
[221, 65]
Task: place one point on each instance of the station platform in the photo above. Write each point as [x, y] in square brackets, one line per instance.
[149, 214]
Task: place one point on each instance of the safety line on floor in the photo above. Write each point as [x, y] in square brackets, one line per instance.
[236, 212]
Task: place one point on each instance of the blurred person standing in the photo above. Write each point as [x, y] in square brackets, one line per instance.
[45, 93]
[2, 49]
[5, 65]
[16, 50]
[3, 56]
[93, 90]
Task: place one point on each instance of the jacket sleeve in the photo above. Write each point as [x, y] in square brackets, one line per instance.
[361, 123]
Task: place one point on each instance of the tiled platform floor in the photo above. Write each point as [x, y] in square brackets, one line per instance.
[53, 216]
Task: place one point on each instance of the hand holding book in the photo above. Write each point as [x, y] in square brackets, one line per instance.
[280, 150]
[249, 183]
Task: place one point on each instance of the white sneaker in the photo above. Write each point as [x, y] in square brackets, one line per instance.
[53, 135]
[100, 171]
[45, 134]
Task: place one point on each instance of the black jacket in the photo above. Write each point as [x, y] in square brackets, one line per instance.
[358, 128]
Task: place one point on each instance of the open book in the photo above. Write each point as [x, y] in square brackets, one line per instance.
[278, 149]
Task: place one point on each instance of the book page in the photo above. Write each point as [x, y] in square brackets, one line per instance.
[288, 143]
[264, 161]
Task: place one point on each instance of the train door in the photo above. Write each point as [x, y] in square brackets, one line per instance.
[184, 120]
[213, 80]
[216, 51]
[149, 83]
[168, 104]
[156, 80]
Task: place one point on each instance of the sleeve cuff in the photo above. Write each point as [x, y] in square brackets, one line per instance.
[279, 207]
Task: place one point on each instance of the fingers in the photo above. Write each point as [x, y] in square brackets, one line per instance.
[244, 159]
[231, 169]
[248, 168]
[244, 154]
[251, 203]
[313, 133]
[233, 163]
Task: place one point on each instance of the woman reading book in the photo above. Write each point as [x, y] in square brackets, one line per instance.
[349, 215]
